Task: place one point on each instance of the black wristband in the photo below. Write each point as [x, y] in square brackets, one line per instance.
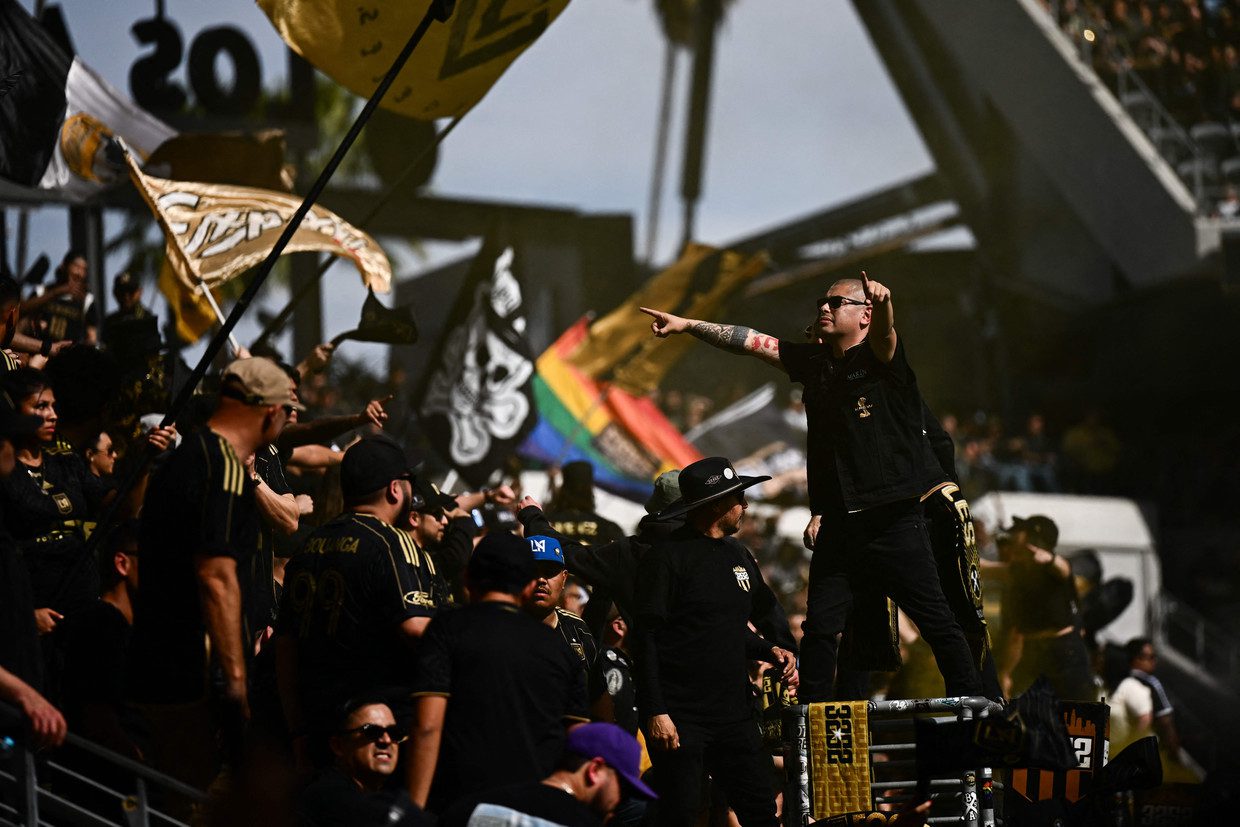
[46, 348]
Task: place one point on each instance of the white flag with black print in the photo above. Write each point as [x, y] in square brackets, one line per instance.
[60, 120]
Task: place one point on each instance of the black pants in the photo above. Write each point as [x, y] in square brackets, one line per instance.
[733, 755]
[889, 548]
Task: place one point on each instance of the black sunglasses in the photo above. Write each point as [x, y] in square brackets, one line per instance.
[373, 733]
[835, 302]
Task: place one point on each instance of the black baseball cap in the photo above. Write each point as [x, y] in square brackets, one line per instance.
[372, 463]
[502, 560]
[1040, 530]
[432, 498]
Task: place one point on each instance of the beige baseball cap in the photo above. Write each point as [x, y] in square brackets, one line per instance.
[258, 381]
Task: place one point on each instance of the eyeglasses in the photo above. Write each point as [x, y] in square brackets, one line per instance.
[835, 302]
[110, 450]
[373, 733]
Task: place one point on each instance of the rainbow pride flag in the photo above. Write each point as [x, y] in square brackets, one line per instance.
[626, 438]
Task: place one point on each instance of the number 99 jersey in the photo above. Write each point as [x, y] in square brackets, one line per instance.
[346, 594]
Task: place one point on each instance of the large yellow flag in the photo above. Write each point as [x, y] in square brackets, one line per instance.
[355, 41]
[620, 347]
[215, 232]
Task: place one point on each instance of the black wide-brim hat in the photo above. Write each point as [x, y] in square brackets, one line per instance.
[705, 480]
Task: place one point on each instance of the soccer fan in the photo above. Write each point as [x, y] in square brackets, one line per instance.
[600, 768]
[199, 529]
[354, 602]
[698, 592]
[495, 689]
[544, 603]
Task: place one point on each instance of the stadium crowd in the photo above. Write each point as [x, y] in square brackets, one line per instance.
[283, 610]
[1185, 51]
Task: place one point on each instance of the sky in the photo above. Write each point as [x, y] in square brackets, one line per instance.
[803, 116]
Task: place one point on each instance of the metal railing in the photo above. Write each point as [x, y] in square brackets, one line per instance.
[1147, 111]
[966, 799]
[1188, 632]
[53, 789]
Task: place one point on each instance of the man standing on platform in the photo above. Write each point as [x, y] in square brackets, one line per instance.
[868, 464]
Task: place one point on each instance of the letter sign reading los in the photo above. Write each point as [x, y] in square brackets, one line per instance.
[152, 89]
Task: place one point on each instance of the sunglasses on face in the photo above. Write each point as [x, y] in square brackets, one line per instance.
[373, 733]
[835, 302]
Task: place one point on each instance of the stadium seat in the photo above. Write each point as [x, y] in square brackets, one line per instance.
[1214, 139]
[1139, 107]
[1171, 143]
[1230, 170]
[1206, 168]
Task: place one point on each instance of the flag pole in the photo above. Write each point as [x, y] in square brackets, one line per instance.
[219, 316]
[273, 327]
[437, 10]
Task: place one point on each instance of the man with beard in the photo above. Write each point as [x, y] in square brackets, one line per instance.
[699, 590]
[353, 607]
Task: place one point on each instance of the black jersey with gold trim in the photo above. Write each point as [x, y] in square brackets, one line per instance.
[347, 592]
[576, 635]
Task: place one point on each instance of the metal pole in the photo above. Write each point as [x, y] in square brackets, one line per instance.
[796, 766]
[439, 10]
[971, 816]
[660, 150]
[307, 287]
[30, 786]
[708, 13]
[219, 315]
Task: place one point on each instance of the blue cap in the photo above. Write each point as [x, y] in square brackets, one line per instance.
[546, 549]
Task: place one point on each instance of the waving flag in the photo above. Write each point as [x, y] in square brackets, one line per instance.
[476, 401]
[60, 120]
[620, 348]
[215, 232]
[452, 68]
[627, 438]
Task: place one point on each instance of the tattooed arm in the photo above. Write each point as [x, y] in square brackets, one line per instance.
[733, 338]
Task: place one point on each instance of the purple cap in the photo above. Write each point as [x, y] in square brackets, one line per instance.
[616, 747]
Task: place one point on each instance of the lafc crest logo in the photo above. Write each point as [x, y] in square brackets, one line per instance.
[63, 504]
[742, 577]
[863, 408]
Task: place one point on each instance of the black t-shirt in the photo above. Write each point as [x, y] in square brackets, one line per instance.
[694, 601]
[198, 504]
[66, 318]
[511, 685]
[1037, 599]
[96, 648]
[612, 675]
[46, 509]
[333, 800]
[542, 801]
[866, 443]
[260, 584]
[346, 594]
[576, 635]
